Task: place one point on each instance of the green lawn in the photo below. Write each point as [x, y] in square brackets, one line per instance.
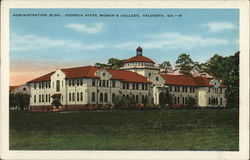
[203, 129]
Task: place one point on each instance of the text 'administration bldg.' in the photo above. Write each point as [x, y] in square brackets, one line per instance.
[139, 79]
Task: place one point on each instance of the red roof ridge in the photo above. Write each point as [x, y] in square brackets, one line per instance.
[139, 58]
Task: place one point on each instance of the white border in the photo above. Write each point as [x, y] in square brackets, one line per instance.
[244, 83]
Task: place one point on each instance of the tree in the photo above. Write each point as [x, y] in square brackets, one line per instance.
[166, 66]
[22, 100]
[225, 69]
[113, 63]
[12, 100]
[56, 102]
[185, 64]
[165, 98]
[191, 102]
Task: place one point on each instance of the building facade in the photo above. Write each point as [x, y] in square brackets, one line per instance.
[139, 79]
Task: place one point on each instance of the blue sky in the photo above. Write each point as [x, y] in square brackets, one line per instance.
[45, 43]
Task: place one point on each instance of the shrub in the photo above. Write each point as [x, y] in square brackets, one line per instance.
[191, 103]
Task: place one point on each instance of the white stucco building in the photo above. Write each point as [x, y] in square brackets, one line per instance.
[139, 78]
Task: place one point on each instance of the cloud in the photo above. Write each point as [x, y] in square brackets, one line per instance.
[33, 42]
[96, 28]
[219, 26]
[174, 40]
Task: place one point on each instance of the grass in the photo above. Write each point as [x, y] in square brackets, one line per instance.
[203, 129]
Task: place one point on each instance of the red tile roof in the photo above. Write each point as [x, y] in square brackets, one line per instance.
[139, 59]
[45, 77]
[89, 72]
[187, 80]
[12, 88]
[128, 76]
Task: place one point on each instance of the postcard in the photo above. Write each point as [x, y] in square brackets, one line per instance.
[125, 80]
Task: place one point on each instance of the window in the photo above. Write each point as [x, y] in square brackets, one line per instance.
[69, 96]
[123, 85]
[69, 82]
[34, 98]
[107, 83]
[24, 89]
[81, 81]
[220, 101]
[49, 97]
[220, 90]
[146, 86]
[183, 100]
[113, 83]
[42, 98]
[113, 97]
[49, 84]
[106, 97]
[93, 96]
[142, 86]
[46, 98]
[81, 97]
[77, 97]
[142, 97]
[73, 82]
[34, 85]
[103, 83]
[127, 85]
[101, 97]
[170, 88]
[133, 96]
[39, 98]
[73, 96]
[209, 100]
[174, 100]
[42, 85]
[137, 86]
[39, 85]
[178, 100]
[133, 86]
[58, 86]
[77, 82]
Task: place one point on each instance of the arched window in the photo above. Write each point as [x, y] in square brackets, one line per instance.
[58, 86]
[77, 95]
[175, 100]
[46, 98]
[101, 97]
[107, 83]
[73, 96]
[183, 100]
[142, 98]
[106, 97]
[42, 98]
[69, 82]
[49, 97]
[39, 98]
[81, 97]
[220, 101]
[113, 97]
[137, 99]
[34, 98]
[69, 96]
[178, 99]
[209, 100]
[93, 96]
